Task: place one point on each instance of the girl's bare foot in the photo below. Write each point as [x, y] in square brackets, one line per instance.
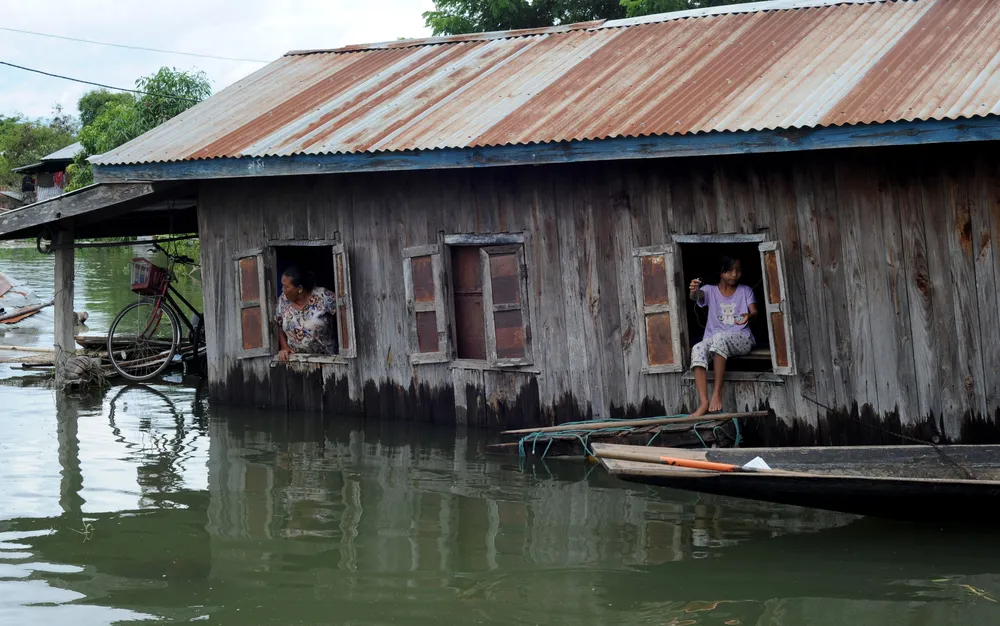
[701, 410]
[715, 405]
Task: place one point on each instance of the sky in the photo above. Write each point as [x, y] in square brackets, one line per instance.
[247, 29]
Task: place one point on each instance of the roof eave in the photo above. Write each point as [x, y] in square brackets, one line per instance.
[622, 148]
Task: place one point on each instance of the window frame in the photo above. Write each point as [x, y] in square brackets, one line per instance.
[764, 243]
[497, 241]
[271, 261]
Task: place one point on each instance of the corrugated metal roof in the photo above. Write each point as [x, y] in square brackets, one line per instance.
[763, 66]
[65, 154]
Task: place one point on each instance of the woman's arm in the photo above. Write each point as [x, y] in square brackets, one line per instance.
[283, 350]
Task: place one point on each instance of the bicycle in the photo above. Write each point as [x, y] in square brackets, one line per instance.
[146, 335]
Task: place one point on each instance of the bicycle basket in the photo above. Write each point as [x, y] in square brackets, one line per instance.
[147, 279]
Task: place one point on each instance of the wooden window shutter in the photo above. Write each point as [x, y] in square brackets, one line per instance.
[423, 276]
[505, 304]
[254, 335]
[656, 298]
[776, 308]
[345, 302]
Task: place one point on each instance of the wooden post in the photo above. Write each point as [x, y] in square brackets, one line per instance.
[64, 341]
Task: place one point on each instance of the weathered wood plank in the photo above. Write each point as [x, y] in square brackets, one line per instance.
[82, 202]
[948, 373]
[959, 234]
[835, 294]
[857, 200]
[819, 330]
[986, 228]
[891, 324]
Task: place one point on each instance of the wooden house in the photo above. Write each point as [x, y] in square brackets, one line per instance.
[509, 220]
[48, 178]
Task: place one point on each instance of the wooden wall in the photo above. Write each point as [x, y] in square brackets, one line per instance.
[891, 276]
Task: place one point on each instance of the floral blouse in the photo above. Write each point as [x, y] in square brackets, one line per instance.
[310, 329]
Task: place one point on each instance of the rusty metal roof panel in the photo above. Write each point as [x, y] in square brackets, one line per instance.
[771, 65]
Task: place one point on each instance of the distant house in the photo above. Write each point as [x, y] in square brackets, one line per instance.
[11, 199]
[509, 220]
[47, 178]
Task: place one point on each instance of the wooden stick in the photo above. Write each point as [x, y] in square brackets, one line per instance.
[710, 466]
[656, 421]
[26, 311]
[26, 349]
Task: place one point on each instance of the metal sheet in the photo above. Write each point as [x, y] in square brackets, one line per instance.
[770, 65]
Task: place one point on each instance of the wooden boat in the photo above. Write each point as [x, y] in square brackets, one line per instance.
[896, 482]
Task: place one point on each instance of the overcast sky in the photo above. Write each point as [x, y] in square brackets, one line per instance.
[251, 29]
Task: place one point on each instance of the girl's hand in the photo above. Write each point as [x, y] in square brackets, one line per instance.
[694, 286]
[742, 319]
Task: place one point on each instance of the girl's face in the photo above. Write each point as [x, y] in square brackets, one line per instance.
[732, 277]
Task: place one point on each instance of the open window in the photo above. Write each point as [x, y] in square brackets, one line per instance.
[763, 272]
[330, 262]
[468, 301]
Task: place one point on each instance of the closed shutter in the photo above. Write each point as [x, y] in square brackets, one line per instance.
[505, 303]
[423, 276]
[656, 298]
[255, 340]
[345, 302]
[776, 308]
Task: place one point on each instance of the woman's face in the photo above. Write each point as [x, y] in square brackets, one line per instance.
[733, 275]
[290, 291]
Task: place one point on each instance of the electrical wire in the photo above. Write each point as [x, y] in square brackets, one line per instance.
[129, 47]
[87, 82]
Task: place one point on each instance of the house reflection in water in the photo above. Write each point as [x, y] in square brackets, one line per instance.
[410, 500]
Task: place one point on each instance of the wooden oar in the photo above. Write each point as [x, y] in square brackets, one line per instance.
[710, 466]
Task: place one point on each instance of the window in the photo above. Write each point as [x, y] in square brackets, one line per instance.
[663, 273]
[255, 269]
[467, 300]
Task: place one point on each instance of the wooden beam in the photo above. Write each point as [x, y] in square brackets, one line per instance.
[81, 202]
[65, 321]
[664, 146]
[636, 423]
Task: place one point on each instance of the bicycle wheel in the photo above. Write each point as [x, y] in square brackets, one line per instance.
[143, 339]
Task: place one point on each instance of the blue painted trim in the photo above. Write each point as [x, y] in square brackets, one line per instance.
[872, 135]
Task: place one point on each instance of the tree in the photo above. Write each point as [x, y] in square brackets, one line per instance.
[24, 141]
[93, 102]
[456, 17]
[114, 119]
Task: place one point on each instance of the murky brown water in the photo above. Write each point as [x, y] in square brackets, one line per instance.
[147, 503]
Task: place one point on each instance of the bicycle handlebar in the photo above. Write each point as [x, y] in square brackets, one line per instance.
[176, 258]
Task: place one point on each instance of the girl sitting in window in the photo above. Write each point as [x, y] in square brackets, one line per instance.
[731, 306]
[305, 316]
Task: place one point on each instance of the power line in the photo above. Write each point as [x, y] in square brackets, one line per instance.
[87, 82]
[121, 45]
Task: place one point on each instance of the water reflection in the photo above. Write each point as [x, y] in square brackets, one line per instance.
[238, 516]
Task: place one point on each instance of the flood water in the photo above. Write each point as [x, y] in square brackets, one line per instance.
[148, 503]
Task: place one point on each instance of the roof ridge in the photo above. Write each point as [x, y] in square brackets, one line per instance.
[728, 9]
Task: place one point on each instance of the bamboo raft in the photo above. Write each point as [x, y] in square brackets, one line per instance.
[575, 439]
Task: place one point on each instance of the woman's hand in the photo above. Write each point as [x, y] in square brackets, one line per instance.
[285, 353]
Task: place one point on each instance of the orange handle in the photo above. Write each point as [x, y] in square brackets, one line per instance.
[705, 465]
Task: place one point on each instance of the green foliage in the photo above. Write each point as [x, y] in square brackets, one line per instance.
[455, 17]
[115, 119]
[169, 93]
[24, 141]
[93, 103]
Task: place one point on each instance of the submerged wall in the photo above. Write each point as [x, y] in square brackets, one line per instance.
[890, 270]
